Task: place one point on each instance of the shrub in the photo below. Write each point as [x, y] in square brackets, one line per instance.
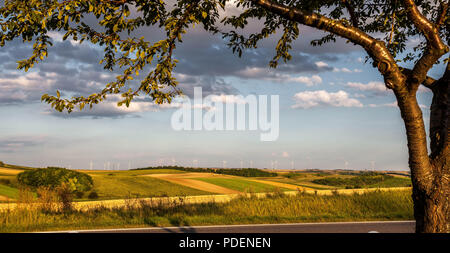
[5, 181]
[47, 198]
[65, 195]
[93, 195]
[54, 177]
[2, 164]
[79, 194]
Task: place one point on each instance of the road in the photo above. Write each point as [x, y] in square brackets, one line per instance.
[325, 227]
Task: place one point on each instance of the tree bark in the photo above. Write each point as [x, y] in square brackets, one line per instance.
[429, 173]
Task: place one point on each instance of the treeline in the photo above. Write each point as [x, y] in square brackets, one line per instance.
[247, 172]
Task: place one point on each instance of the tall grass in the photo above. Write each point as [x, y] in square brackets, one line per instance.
[275, 208]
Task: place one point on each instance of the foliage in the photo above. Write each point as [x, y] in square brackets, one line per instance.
[246, 172]
[55, 177]
[5, 181]
[93, 195]
[32, 21]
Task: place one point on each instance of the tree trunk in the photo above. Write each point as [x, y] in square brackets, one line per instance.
[430, 174]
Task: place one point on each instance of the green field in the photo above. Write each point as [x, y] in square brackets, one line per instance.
[365, 180]
[8, 191]
[377, 205]
[119, 187]
[241, 185]
[342, 180]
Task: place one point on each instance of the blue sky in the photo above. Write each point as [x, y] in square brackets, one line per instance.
[357, 127]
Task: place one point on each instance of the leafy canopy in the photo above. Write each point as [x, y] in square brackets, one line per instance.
[32, 20]
[54, 177]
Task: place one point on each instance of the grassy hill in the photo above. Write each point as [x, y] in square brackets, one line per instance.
[158, 181]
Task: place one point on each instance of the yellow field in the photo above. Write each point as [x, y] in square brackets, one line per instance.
[9, 171]
[186, 180]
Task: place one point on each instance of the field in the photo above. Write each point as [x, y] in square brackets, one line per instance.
[241, 185]
[343, 179]
[171, 197]
[275, 208]
[170, 181]
[112, 186]
[7, 192]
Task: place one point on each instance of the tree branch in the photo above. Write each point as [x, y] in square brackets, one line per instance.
[429, 82]
[442, 14]
[424, 25]
[435, 47]
[375, 48]
[351, 12]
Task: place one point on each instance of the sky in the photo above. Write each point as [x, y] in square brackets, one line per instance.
[335, 112]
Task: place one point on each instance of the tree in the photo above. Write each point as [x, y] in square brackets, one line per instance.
[54, 177]
[358, 21]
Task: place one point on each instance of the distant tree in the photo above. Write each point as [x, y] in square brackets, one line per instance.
[381, 28]
[54, 177]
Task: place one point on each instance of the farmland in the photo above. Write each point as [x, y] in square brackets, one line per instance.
[164, 196]
[173, 181]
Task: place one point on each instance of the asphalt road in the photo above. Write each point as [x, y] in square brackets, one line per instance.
[329, 227]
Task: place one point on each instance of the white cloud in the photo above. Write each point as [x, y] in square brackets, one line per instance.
[371, 86]
[270, 75]
[321, 64]
[309, 81]
[357, 95]
[58, 37]
[309, 99]
[345, 70]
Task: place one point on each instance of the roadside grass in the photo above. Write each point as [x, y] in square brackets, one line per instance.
[120, 187]
[275, 208]
[241, 185]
